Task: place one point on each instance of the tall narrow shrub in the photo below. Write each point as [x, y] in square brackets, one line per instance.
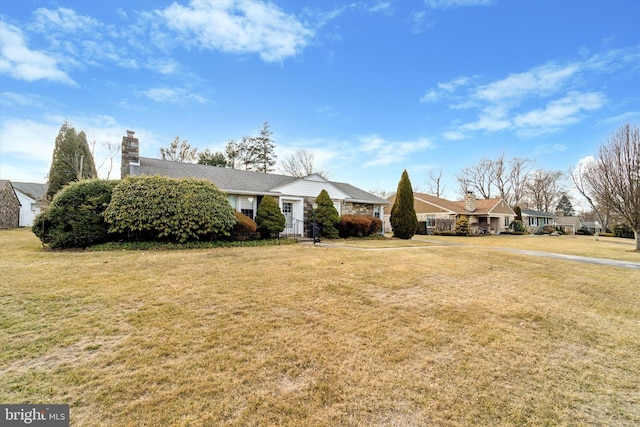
[327, 217]
[404, 221]
[269, 218]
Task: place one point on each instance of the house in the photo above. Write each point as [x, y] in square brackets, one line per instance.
[568, 224]
[245, 189]
[437, 214]
[32, 197]
[9, 205]
[535, 219]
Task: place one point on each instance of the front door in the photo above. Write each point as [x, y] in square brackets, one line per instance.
[287, 210]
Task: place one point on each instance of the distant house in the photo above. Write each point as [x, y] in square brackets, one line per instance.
[568, 224]
[535, 219]
[437, 214]
[245, 189]
[9, 205]
[32, 199]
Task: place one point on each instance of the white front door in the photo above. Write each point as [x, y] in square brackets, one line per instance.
[287, 210]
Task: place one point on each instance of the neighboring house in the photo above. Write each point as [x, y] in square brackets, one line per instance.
[9, 205]
[245, 189]
[592, 226]
[32, 197]
[568, 224]
[535, 219]
[437, 214]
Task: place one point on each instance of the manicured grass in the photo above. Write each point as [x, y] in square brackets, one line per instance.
[300, 335]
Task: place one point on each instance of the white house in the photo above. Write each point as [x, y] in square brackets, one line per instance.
[245, 189]
[32, 200]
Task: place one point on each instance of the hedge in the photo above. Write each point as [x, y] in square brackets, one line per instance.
[359, 226]
[169, 209]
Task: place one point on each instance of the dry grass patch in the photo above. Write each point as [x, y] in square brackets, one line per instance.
[301, 335]
[605, 247]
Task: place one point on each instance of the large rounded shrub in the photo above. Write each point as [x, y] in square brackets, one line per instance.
[169, 209]
[74, 219]
[269, 218]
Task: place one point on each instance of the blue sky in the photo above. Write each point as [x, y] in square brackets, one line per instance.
[371, 87]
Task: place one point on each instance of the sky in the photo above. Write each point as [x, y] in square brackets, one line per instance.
[371, 88]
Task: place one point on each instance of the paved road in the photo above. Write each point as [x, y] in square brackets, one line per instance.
[588, 260]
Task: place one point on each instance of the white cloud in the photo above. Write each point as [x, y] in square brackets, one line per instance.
[446, 88]
[62, 20]
[239, 26]
[539, 81]
[431, 96]
[445, 4]
[453, 136]
[21, 99]
[559, 113]
[173, 96]
[387, 152]
[21, 63]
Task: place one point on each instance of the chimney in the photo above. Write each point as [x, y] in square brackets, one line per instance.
[130, 153]
[470, 201]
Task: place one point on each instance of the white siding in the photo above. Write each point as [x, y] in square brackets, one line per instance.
[310, 187]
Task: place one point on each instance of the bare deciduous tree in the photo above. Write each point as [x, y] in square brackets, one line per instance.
[519, 169]
[614, 177]
[578, 178]
[435, 186]
[479, 178]
[543, 189]
[301, 163]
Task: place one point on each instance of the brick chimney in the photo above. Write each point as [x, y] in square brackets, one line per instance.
[470, 201]
[130, 153]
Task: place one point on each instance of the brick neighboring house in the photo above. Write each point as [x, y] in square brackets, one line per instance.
[9, 205]
[437, 214]
[245, 189]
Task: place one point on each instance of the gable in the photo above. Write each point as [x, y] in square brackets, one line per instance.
[311, 186]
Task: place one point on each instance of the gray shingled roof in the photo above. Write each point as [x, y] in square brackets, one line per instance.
[236, 181]
[32, 189]
[534, 213]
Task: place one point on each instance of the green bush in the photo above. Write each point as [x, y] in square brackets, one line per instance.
[518, 226]
[269, 218]
[404, 221]
[358, 226]
[74, 219]
[327, 216]
[624, 231]
[168, 209]
[245, 227]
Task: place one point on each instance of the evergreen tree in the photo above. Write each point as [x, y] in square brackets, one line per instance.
[565, 206]
[269, 218]
[518, 211]
[327, 217]
[404, 221]
[264, 150]
[206, 157]
[232, 153]
[72, 160]
[462, 226]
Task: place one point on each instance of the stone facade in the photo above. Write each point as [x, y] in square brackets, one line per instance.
[9, 206]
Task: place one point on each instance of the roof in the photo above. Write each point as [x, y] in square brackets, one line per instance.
[483, 206]
[531, 212]
[568, 220]
[32, 189]
[5, 183]
[236, 181]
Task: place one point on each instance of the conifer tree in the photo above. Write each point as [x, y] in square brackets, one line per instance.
[404, 221]
[565, 206]
[264, 150]
[269, 218]
[327, 217]
[72, 160]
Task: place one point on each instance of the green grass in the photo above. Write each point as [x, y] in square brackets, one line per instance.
[298, 335]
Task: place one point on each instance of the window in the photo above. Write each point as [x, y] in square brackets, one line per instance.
[431, 220]
[376, 211]
[247, 212]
